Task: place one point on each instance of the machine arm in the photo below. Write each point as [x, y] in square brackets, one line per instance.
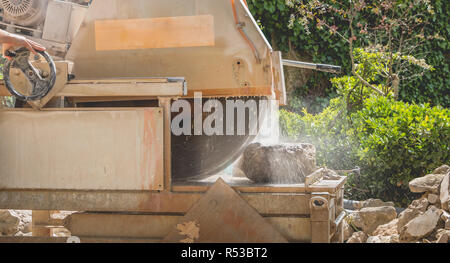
[319, 67]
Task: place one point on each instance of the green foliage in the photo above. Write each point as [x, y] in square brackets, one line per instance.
[399, 141]
[391, 141]
[369, 66]
[433, 86]
[275, 15]
[323, 47]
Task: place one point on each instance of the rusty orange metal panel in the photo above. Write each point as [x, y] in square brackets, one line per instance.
[161, 32]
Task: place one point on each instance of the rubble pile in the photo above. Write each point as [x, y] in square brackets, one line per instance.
[425, 220]
[15, 222]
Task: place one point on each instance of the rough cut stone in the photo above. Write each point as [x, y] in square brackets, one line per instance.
[405, 216]
[369, 218]
[25, 220]
[388, 229]
[348, 230]
[373, 239]
[281, 163]
[442, 169]
[8, 223]
[358, 237]
[445, 192]
[372, 203]
[433, 198]
[428, 183]
[419, 204]
[446, 218]
[426, 241]
[442, 236]
[383, 239]
[422, 225]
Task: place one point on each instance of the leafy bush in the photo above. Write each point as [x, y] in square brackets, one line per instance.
[398, 142]
[391, 141]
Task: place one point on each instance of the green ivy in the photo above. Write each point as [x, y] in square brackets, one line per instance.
[432, 87]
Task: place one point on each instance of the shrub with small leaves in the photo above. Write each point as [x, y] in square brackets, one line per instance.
[398, 142]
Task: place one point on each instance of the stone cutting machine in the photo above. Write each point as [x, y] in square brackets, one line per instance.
[91, 125]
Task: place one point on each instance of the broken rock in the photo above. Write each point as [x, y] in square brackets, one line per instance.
[281, 163]
[428, 183]
[348, 230]
[373, 203]
[419, 204]
[369, 218]
[9, 224]
[389, 229]
[433, 198]
[422, 225]
[383, 239]
[446, 218]
[445, 192]
[444, 169]
[358, 237]
[442, 236]
[407, 215]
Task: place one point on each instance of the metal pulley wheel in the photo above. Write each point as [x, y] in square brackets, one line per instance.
[41, 82]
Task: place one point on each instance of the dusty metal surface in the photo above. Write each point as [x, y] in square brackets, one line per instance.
[92, 149]
[112, 225]
[141, 201]
[149, 216]
[216, 45]
[221, 215]
[158, 226]
[229, 64]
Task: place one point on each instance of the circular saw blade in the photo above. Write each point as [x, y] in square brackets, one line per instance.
[200, 156]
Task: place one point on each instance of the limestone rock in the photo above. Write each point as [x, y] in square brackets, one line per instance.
[405, 216]
[442, 236]
[433, 198]
[422, 225]
[348, 230]
[419, 204]
[369, 218]
[25, 220]
[8, 223]
[389, 229]
[383, 239]
[372, 203]
[428, 183]
[373, 239]
[27, 228]
[442, 239]
[281, 163]
[325, 174]
[446, 218]
[444, 169]
[445, 192]
[358, 237]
